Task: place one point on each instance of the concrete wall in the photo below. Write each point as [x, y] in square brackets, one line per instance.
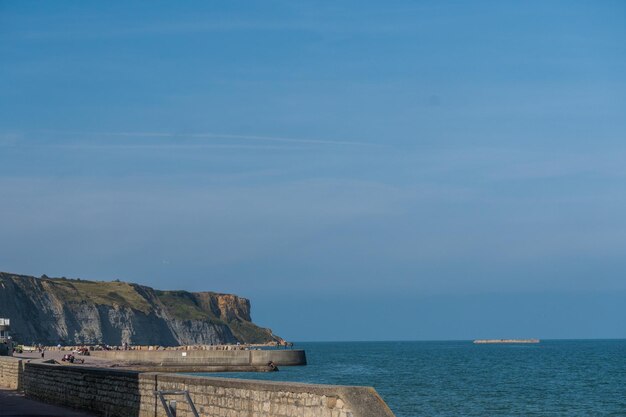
[207, 357]
[114, 393]
[10, 372]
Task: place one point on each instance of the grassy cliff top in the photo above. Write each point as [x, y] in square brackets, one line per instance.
[100, 292]
[179, 304]
[182, 305]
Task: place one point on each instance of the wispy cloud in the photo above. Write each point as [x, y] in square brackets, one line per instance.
[170, 137]
[166, 146]
[150, 29]
[9, 138]
[91, 27]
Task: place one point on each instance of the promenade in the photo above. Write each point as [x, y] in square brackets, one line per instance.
[14, 404]
[58, 355]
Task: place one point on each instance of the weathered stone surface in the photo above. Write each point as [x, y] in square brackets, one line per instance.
[290, 357]
[116, 393]
[10, 372]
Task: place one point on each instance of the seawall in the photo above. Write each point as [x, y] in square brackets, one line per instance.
[117, 393]
[179, 358]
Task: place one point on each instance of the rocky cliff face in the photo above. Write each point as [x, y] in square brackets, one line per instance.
[58, 310]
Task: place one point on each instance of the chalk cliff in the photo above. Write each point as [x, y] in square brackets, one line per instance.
[67, 311]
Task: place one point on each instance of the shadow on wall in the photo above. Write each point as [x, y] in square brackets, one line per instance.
[105, 392]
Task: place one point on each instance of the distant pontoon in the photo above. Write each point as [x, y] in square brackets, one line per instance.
[493, 341]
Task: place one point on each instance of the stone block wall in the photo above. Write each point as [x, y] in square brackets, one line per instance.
[226, 397]
[117, 393]
[10, 372]
[105, 392]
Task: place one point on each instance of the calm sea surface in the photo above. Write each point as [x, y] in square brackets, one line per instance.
[553, 378]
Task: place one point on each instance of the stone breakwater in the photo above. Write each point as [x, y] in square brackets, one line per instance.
[158, 347]
[239, 358]
[116, 393]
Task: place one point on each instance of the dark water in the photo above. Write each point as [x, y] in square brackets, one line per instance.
[553, 378]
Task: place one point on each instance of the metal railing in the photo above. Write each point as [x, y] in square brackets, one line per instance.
[170, 405]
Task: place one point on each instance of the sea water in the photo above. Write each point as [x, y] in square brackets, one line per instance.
[552, 378]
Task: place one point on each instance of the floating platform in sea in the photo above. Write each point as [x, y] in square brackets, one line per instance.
[495, 341]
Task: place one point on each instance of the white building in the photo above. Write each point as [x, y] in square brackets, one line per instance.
[6, 345]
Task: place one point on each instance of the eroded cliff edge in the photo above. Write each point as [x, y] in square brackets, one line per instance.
[58, 310]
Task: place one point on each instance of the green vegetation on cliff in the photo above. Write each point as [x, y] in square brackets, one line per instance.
[100, 292]
[182, 305]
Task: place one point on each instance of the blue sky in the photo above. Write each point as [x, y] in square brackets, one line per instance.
[359, 171]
